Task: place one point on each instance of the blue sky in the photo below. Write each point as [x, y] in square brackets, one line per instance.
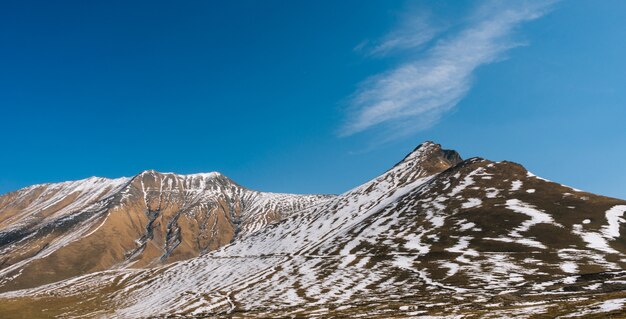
[310, 96]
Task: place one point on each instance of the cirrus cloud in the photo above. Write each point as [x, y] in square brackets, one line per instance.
[414, 95]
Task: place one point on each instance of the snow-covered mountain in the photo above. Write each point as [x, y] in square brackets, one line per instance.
[52, 232]
[433, 236]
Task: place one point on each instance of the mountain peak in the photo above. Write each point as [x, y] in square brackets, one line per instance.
[208, 175]
[430, 157]
[199, 181]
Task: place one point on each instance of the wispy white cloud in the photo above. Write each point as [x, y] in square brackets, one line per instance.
[415, 31]
[415, 94]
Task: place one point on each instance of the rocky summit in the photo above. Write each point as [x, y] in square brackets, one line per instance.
[434, 236]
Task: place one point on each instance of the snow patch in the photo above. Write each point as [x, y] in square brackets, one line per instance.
[614, 218]
[516, 185]
[472, 202]
[569, 267]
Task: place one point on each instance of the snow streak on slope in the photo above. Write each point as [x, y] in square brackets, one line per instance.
[49, 202]
[97, 224]
[41, 209]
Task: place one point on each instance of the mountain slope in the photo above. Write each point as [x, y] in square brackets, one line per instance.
[434, 235]
[55, 231]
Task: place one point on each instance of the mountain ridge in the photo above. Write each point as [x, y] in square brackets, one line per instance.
[434, 235]
[139, 204]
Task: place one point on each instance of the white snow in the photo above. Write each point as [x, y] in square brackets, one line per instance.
[614, 218]
[593, 286]
[491, 192]
[452, 268]
[467, 181]
[466, 225]
[529, 174]
[536, 216]
[600, 307]
[414, 242]
[516, 185]
[614, 304]
[594, 240]
[472, 202]
[569, 267]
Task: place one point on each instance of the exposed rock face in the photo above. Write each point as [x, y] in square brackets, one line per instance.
[55, 231]
[431, 158]
[434, 235]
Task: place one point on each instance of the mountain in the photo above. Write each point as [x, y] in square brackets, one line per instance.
[52, 232]
[433, 236]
